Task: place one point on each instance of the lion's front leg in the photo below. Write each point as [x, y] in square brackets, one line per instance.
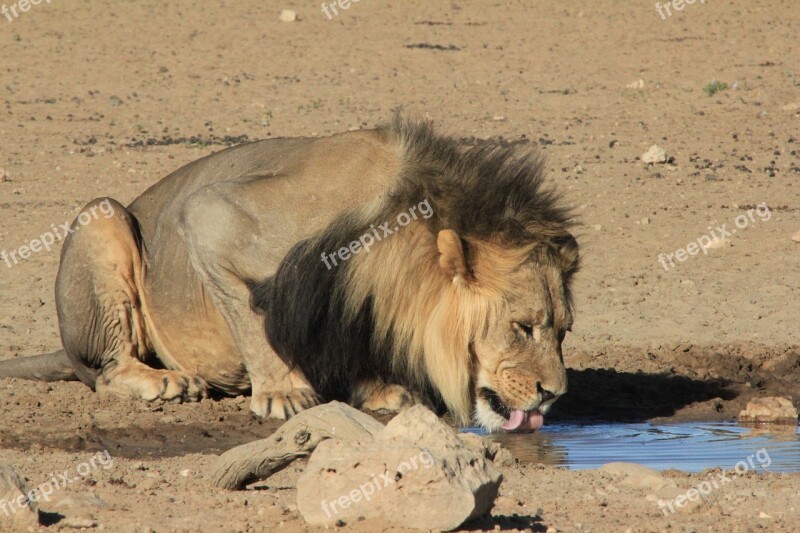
[213, 227]
[283, 405]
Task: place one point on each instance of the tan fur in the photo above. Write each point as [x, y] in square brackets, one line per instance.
[173, 275]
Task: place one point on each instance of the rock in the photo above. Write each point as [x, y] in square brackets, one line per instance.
[689, 286]
[295, 439]
[287, 15]
[637, 476]
[796, 236]
[150, 483]
[78, 522]
[794, 106]
[716, 242]
[3, 175]
[638, 84]
[417, 472]
[15, 508]
[771, 409]
[69, 502]
[655, 154]
[489, 449]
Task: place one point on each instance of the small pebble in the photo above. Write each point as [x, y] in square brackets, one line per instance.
[655, 154]
[287, 15]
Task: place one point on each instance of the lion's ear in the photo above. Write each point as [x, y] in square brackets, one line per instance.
[568, 254]
[452, 259]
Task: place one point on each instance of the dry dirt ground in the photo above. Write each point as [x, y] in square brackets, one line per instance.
[105, 98]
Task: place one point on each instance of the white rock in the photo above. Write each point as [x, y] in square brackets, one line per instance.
[638, 84]
[796, 236]
[716, 242]
[655, 154]
[769, 409]
[287, 15]
[416, 473]
[78, 522]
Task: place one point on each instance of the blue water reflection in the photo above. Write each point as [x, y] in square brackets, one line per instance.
[690, 447]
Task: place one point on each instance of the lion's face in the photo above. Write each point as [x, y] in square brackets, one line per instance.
[517, 369]
[520, 370]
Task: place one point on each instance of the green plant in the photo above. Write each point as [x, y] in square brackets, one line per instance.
[714, 87]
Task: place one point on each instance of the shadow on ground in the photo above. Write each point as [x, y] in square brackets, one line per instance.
[607, 395]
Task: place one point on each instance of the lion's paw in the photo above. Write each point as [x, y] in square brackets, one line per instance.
[153, 385]
[392, 398]
[283, 405]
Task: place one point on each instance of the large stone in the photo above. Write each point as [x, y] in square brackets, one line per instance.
[417, 472]
[295, 439]
[16, 511]
[771, 409]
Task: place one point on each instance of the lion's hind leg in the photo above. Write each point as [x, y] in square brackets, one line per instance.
[100, 309]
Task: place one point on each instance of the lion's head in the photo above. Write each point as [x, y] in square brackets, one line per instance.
[476, 298]
[470, 301]
[517, 366]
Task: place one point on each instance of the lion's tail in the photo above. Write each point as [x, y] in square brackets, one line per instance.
[48, 367]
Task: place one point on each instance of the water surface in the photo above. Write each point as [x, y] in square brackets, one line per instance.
[688, 446]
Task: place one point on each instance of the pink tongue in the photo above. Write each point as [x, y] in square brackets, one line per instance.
[523, 421]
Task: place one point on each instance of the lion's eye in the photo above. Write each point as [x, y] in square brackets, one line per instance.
[525, 328]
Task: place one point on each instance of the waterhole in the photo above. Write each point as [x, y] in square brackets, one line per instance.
[691, 447]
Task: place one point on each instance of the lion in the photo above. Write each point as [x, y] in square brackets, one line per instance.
[380, 267]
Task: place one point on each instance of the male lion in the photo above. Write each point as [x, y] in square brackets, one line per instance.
[377, 267]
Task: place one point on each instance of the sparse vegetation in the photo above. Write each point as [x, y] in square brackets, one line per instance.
[714, 87]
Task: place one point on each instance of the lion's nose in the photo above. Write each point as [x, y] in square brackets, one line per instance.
[544, 393]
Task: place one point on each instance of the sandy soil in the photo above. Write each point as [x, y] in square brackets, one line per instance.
[105, 98]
